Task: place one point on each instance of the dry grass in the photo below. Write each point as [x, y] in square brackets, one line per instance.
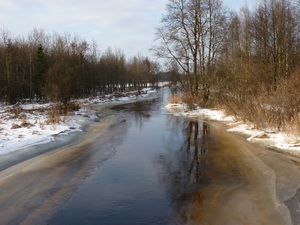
[262, 111]
[56, 112]
[251, 111]
[26, 124]
[53, 115]
[186, 98]
[175, 99]
[275, 112]
[190, 100]
[15, 112]
[15, 126]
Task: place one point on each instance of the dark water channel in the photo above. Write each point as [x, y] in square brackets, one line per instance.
[168, 170]
[157, 167]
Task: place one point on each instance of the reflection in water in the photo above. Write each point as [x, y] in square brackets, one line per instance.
[212, 178]
[193, 152]
[169, 170]
[141, 112]
[185, 173]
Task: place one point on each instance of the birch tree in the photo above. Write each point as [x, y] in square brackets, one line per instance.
[191, 34]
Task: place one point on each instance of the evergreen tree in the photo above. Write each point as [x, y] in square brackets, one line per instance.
[40, 71]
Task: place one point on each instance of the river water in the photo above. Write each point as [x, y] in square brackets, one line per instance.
[171, 170]
[148, 167]
[139, 184]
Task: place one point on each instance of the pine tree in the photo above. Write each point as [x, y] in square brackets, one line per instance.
[40, 71]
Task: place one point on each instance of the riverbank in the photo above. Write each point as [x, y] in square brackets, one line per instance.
[50, 172]
[270, 138]
[36, 187]
[248, 184]
[219, 174]
[27, 127]
[260, 181]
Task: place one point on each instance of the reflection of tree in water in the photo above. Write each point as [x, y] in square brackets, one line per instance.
[184, 168]
[142, 112]
[196, 146]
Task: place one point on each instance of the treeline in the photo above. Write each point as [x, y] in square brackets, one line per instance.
[246, 60]
[262, 47]
[260, 65]
[44, 67]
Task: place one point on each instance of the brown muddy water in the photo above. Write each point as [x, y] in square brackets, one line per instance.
[140, 165]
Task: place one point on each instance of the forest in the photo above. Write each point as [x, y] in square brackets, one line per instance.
[59, 68]
[246, 62]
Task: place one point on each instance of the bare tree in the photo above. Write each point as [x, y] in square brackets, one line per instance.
[191, 34]
[275, 36]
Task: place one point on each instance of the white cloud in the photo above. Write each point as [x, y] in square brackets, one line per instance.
[128, 25]
[104, 21]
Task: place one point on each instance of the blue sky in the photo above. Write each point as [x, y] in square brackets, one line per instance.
[127, 24]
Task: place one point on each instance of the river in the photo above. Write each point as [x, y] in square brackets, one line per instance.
[141, 165]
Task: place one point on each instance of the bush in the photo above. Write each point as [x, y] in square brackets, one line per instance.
[189, 100]
[175, 99]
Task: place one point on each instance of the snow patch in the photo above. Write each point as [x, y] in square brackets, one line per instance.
[25, 125]
[267, 137]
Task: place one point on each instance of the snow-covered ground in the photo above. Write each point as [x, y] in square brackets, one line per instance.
[25, 125]
[269, 137]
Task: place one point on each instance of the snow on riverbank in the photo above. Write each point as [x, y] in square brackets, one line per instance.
[269, 138]
[25, 125]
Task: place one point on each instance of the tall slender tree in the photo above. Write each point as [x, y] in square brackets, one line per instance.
[191, 34]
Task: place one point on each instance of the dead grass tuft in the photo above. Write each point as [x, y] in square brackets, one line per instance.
[56, 112]
[15, 126]
[26, 124]
[15, 112]
[53, 116]
[189, 100]
[192, 101]
[175, 99]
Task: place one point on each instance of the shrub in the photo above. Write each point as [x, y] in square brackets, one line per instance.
[175, 99]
